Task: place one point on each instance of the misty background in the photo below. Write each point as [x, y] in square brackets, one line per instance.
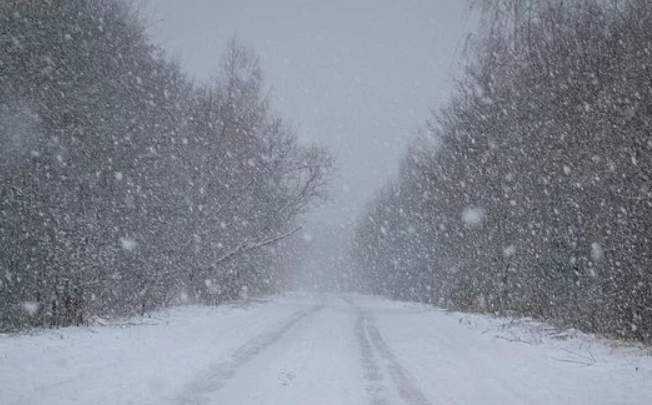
[129, 184]
[358, 77]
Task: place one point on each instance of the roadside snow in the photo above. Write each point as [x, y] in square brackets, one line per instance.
[138, 363]
[320, 349]
[476, 359]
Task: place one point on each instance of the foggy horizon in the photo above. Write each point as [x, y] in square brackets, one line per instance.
[333, 71]
[358, 77]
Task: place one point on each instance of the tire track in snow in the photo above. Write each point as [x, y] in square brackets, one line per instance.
[197, 391]
[404, 381]
[370, 338]
[372, 372]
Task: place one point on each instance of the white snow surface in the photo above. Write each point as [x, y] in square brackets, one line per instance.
[320, 349]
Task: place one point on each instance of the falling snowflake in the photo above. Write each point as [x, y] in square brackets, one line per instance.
[509, 251]
[128, 244]
[183, 296]
[31, 307]
[473, 217]
[596, 252]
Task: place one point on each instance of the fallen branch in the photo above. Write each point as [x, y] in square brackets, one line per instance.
[583, 363]
[516, 339]
[589, 359]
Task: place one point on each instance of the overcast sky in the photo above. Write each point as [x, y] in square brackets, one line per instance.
[358, 76]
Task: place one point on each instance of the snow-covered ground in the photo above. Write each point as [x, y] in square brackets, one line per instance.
[320, 349]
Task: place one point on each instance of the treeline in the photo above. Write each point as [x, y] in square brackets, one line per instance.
[125, 186]
[529, 192]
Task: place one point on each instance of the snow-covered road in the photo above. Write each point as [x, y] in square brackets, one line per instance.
[317, 349]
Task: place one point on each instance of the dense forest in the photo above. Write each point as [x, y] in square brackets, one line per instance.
[126, 186]
[529, 191]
